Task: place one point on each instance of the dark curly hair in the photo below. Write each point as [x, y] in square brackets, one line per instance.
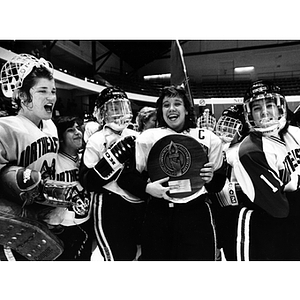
[176, 91]
[63, 123]
[29, 82]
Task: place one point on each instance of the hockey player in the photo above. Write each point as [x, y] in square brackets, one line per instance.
[28, 151]
[231, 128]
[177, 228]
[73, 224]
[267, 170]
[108, 153]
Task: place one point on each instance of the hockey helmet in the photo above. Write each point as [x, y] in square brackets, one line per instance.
[265, 108]
[230, 123]
[15, 71]
[115, 108]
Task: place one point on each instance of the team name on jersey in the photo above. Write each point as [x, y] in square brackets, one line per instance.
[68, 176]
[37, 149]
[292, 160]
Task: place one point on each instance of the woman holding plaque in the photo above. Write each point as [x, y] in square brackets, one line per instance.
[183, 163]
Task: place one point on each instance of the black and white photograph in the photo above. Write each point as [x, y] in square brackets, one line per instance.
[172, 151]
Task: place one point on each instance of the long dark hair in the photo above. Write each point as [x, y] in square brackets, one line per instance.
[176, 91]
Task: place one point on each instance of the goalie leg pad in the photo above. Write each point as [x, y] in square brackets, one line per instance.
[20, 231]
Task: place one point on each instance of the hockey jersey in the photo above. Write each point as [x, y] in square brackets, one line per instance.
[24, 144]
[205, 137]
[228, 196]
[267, 167]
[97, 145]
[90, 128]
[67, 170]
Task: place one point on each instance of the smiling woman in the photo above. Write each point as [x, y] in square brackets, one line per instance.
[76, 230]
[29, 146]
[177, 165]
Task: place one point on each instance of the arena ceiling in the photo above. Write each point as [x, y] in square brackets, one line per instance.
[206, 60]
[138, 53]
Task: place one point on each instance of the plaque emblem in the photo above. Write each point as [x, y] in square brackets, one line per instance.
[180, 158]
[175, 159]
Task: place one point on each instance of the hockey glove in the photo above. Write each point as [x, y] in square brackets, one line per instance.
[20, 185]
[227, 196]
[115, 157]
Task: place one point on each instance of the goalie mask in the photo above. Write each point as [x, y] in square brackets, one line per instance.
[207, 121]
[115, 108]
[17, 69]
[265, 108]
[230, 124]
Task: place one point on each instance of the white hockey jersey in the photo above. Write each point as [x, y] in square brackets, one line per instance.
[96, 146]
[267, 167]
[24, 144]
[67, 170]
[228, 196]
[205, 137]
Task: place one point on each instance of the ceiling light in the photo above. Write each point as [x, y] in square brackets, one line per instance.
[243, 69]
[159, 76]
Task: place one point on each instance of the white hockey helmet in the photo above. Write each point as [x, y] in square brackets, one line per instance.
[271, 99]
[15, 71]
[115, 108]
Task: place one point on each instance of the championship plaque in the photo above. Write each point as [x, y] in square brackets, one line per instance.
[179, 157]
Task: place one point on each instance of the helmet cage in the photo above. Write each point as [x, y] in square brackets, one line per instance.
[207, 121]
[267, 125]
[227, 127]
[17, 69]
[117, 113]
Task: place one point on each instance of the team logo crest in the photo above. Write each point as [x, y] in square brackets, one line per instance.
[175, 159]
[80, 202]
[180, 158]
